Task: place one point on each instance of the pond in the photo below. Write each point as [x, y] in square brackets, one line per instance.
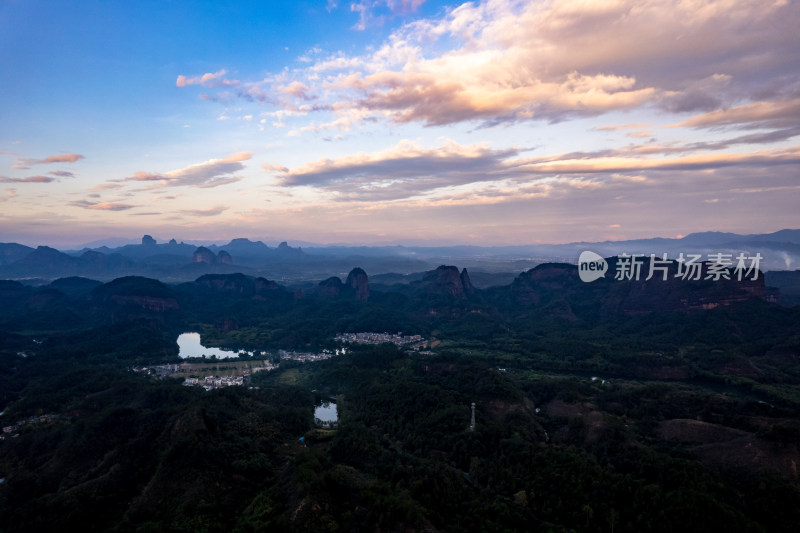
[189, 344]
[326, 414]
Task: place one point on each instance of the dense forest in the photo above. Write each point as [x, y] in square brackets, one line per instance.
[610, 406]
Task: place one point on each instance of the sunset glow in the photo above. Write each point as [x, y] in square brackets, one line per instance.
[492, 122]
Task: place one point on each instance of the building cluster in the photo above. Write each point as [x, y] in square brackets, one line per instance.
[240, 370]
[305, 357]
[214, 382]
[158, 370]
[414, 342]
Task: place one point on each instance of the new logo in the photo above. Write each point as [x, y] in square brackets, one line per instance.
[591, 266]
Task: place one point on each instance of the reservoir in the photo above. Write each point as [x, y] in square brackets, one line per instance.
[189, 344]
[326, 414]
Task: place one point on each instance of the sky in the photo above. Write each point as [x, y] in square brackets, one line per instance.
[397, 121]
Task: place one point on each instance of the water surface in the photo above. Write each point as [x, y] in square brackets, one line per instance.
[326, 412]
[190, 346]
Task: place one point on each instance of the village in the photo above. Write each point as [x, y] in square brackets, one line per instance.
[412, 342]
[217, 373]
[214, 382]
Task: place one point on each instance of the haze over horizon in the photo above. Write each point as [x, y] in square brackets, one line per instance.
[113, 242]
[398, 121]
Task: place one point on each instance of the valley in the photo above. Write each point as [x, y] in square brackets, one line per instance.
[666, 406]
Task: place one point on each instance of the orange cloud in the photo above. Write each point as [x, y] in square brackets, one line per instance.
[65, 158]
[443, 99]
[297, 89]
[24, 163]
[499, 61]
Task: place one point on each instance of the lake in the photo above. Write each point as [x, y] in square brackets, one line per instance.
[189, 344]
[326, 413]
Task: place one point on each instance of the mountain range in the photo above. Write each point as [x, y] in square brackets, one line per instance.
[180, 261]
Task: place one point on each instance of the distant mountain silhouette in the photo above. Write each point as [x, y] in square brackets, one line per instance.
[13, 252]
[178, 261]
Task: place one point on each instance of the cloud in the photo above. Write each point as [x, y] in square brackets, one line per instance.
[274, 168]
[209, 79]
[778, 114]
[619, 127]
[211, 212]
[408, 170]
[297, 89]
[212, 173]
[32, 179]
[406, 167]
[790, 156]
[145, 176]
[24, 163]
[102, 206]
[753, 138]
[106, 186]
[438, 100]
[64, 158]
[62, 174]
[653, 148]
[7, 195]
[501, 61]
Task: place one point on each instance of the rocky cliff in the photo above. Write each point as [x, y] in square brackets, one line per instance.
[445, 280]
[330, 288]
[224, 258]
[204, 255]
[240, 284]
[358, 281]
[356, 286]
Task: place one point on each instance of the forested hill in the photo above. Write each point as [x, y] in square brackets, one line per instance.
[618, 405]
[555, 288]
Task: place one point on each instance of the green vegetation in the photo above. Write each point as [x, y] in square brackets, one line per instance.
[586, 419]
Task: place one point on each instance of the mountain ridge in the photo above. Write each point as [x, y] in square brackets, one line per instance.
[779, 250]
